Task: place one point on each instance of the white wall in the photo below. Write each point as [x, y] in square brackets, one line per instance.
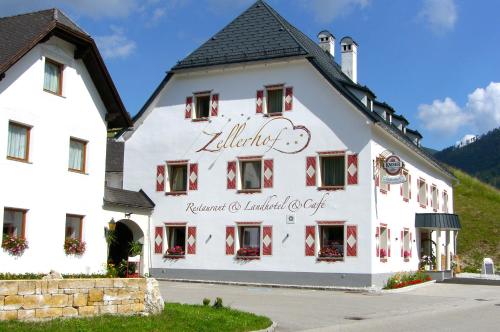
[334, 125]
[44, 186]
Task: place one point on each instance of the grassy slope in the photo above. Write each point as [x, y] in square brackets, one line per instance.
[478, 206]
[176, 317]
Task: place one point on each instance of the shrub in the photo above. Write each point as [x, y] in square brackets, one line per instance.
[206, 301]
[135, 248]
[218, 303]
[404, 279]
[14, 245]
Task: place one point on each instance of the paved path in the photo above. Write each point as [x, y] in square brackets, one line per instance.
[437, 307]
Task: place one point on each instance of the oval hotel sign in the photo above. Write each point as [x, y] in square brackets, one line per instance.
[393, 165]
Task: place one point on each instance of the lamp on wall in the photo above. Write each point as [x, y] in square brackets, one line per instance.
[112, 224]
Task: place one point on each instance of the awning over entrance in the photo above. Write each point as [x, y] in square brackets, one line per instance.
[437, 220]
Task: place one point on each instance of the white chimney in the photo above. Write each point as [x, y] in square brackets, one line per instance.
[349, 50]
[327, 42]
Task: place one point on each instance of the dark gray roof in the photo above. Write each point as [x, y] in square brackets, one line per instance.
[128, 198]
[414, 132]
[20, 33]
[348, 41]
[437, 220]
[401, 118]
[114, 156]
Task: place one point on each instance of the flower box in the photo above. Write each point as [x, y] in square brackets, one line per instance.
[74, 247]
[248, 253]
[14, 245]
[331, 252]
[175, 252]
[383, 253]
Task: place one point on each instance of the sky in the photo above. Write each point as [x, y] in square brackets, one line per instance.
[435, 61]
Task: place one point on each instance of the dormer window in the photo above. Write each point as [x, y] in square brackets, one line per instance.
[52, 81]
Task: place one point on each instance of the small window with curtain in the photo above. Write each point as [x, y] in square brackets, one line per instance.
[74, 225]
[18, 142]
[14, 222]
[251, 175]
[249, 238]
[52, 81]
[332, 171]
[178, 178]
[202, 107]
[77, 155]
[275, 100]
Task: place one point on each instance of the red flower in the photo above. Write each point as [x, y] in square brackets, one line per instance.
[74, 247]
[176, 251]
[14, 245]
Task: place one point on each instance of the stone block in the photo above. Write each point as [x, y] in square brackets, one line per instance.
[52, 286]
[73, 290]
[76, 283]
[26, 314]
[134, 283]
[107, 309]
[57, 300]
[48, 312]
[69, 312]
[137, 295]
[137, 307]
[120, 283]
[8, 287]
[1, 300]
[95, 295]
[13, 302]
[34, 301]
[26, 287]
[87, 311]
[79, 300]
[104, 283]
[124, 308]
[127, 301]
[41, 287]
[8, 315]
[124, 294]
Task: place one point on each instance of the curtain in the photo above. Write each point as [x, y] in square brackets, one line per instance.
[251, 237]
[333, 171]
[51, 78]
[179, 178]
[76, 150]
[73, 227]
[251, 175]
[275, 101]
[18, 137]
[12, 222]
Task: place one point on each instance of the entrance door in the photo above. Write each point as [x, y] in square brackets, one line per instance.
[120, 247]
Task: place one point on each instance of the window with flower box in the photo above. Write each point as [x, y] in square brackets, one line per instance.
[331, 242]
[74, 227]
[406, 245]
[14, 222]
[18, 142]
[332, 171]
[249, 241]
[176, 241]
[384, 243]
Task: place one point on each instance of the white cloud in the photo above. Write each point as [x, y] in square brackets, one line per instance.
[480, 114]
[325, 11]
[115, 45]
[441, 15]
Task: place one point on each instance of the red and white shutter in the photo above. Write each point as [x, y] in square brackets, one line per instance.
[310, 240]
[158, 240]
[388, 242]
[230, 240]
[377, 241]
[402, 244]
[311, 171]
[231, 175]
[288, 98]
[352, 169]
[215, 105]
[267, 240]
[160, 178]
[189, 108]
[193, 177]
[259, 102]
[191, 240]
[352, 240]
[268, 173]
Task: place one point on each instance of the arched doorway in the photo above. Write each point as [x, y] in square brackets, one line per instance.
[126, 231]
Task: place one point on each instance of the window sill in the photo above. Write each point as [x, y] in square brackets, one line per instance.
[406, 260]
[249, 191]
[25, 161]
[383, 260]
[423, 206]
[330, 259]
[77, 171]
[176, 193]
[247, 258]
[174, 256]
[383, 191]
[273, 114]
[200, 120]
[435, 210]
[54, 93]
[406, 200]
[332, 188]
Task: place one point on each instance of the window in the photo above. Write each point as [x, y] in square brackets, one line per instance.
[275, 100]
[332, 171]
[422, 193]
[52, 81]
[251, 174]
[445, 201]
[178, 177]
[202, 107]
[384, 242]
[406, 245]
[176, 240]
[74, 226]
[14, 222]
[18, 142]
[384, 187]
[331, 242]
[249, 237]
[435, 202]
[77, 155]
[406, 186]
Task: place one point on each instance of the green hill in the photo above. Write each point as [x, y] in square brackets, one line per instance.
[478, 206]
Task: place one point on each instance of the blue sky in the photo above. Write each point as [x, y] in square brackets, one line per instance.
[434, 61]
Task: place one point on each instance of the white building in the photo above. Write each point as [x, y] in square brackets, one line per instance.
[57, 101]
[264, 159]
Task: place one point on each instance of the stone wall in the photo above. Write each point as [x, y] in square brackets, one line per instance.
[46, 299]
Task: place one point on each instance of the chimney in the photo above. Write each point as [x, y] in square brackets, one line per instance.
[349, 50]
[327, 42]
